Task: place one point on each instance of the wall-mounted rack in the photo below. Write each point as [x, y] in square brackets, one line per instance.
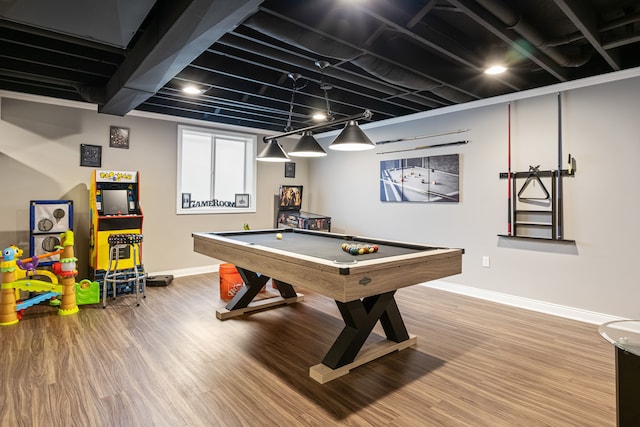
[548, 222]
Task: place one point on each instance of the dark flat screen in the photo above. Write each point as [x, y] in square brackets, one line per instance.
[115, 202]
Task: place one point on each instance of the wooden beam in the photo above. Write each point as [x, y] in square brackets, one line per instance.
[263, 304]
[323, 374]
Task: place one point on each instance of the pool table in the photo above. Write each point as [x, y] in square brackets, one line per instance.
[363, 286]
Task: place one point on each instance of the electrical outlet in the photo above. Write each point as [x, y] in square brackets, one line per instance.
[486, 261]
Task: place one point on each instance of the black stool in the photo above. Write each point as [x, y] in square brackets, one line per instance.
[126, 279]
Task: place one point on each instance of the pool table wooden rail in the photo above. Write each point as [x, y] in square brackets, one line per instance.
[340, 281]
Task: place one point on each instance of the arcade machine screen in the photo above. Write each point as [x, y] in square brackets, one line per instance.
[115, 202]
[290, 197]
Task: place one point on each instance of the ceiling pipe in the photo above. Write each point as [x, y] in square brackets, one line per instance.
[621, 22]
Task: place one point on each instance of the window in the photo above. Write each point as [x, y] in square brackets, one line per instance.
[215, 169]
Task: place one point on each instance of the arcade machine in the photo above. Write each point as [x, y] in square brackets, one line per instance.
[114, 209]
[288, 203]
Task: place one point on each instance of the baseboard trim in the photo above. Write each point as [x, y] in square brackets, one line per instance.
[511, 300]
[183, 272]
[526, 303]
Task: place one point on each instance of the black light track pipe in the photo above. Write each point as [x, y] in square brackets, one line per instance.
[366, 115]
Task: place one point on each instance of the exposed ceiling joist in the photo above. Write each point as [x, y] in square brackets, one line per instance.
[392, 57]
[180, 32]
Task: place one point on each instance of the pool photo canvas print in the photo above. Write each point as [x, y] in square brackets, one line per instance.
[433, 179]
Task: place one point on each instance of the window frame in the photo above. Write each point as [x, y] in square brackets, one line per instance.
[250, 172]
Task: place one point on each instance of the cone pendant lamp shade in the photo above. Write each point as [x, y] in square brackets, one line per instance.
[352, 138]
[307, 146]
[273, 152]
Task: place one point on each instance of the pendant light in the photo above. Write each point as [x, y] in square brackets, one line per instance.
[307, 146]
[352, 138]
[273, 152]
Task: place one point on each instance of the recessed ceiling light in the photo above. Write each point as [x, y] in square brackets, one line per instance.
[495, 69]
[319, 116]
[192, 90]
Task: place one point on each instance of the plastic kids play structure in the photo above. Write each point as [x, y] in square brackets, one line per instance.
[20, 275]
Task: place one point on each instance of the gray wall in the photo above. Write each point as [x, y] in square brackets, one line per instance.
[39, 159]
[601, 129]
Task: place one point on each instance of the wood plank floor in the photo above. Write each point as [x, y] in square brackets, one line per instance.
[170, 362]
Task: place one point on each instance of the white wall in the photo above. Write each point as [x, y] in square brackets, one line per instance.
[39, 159]
[601, 129]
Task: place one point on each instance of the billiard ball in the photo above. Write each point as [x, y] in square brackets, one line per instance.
[278, 236]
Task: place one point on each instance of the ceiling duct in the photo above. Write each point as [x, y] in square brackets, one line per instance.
[391, 73]
[302, 62]
[298, 36]
[431, 103]
[330, 48]
[451, 94]
[513, 20]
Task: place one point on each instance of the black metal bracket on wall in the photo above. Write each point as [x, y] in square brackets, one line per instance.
[541, 174]
[556, 224]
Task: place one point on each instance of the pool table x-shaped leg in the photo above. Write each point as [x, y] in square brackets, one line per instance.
[360, 317]
[254, 283]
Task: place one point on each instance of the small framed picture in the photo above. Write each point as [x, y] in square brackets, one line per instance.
[289, 170]
[242, 200]
[118, 137]
[186, 200]
[91, 155]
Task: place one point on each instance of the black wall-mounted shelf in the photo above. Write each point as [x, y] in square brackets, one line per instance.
[543, 239]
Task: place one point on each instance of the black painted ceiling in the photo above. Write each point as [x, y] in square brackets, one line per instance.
[393, 57]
